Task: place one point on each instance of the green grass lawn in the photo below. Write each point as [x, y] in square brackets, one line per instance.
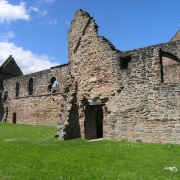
[32, 152]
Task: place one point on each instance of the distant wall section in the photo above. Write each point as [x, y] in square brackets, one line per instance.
[35, 98]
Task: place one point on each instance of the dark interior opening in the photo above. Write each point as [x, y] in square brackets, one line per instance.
[17, 89]
[93, 124]
[5, 95]
[53, 83]
[52, 80]
[124, 62]
[14, 118]
[99, 121]
[31, 86]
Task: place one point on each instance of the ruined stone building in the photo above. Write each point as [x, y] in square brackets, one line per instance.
[102, 92]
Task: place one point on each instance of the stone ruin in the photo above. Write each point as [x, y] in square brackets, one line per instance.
[102, 92]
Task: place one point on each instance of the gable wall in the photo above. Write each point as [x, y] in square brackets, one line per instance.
[93, 67]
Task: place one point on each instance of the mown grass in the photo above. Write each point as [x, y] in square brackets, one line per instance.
[31, 152]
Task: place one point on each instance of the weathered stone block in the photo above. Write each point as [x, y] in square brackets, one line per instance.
[139, 128]
[177, 129]
[168, 131]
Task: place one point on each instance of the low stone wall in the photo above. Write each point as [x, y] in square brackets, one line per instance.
[37, 110]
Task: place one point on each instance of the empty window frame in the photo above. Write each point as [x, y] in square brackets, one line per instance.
[53, 84]
[124, 62]
[17, 89]
[30, 86]
[167, 59]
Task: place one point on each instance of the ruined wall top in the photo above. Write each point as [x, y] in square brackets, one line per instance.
[80, 16]
[79, 26]
[176, 36]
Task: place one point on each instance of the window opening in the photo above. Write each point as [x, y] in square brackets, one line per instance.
[124, 62]
[168, 61]
[55, 83]
[52, 87]
[14, 118]
[17, 89]
[30, 86]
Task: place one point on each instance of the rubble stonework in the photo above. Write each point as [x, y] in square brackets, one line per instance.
[102, 92]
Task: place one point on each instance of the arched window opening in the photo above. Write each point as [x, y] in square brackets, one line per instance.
[169, 67]
[52, 87]
[17, 89]
[55, 83]
[30, 86]
[52, 80]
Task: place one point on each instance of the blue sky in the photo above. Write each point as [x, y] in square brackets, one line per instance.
[35, 31]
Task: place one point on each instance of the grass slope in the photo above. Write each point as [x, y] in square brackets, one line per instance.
[31, 152]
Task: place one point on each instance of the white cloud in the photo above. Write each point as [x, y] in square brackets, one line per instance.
[50, 22]
[26, 60]
[53, 21]
[49, 1]
[9, 12]
[6, 36]
[45, 1]
[35, 9]
[43, 13]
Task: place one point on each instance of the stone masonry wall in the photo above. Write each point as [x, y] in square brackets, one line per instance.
[102, 92]
[137, 106]
[148, 109]
[92, 60]
[8, 70]
[42, 106]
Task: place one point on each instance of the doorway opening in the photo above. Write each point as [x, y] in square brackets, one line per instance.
[93, 124]
[14, 118]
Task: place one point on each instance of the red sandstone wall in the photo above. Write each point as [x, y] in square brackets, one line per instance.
[138, 106]
[43, 106]
[91, 60]
[149, 110]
